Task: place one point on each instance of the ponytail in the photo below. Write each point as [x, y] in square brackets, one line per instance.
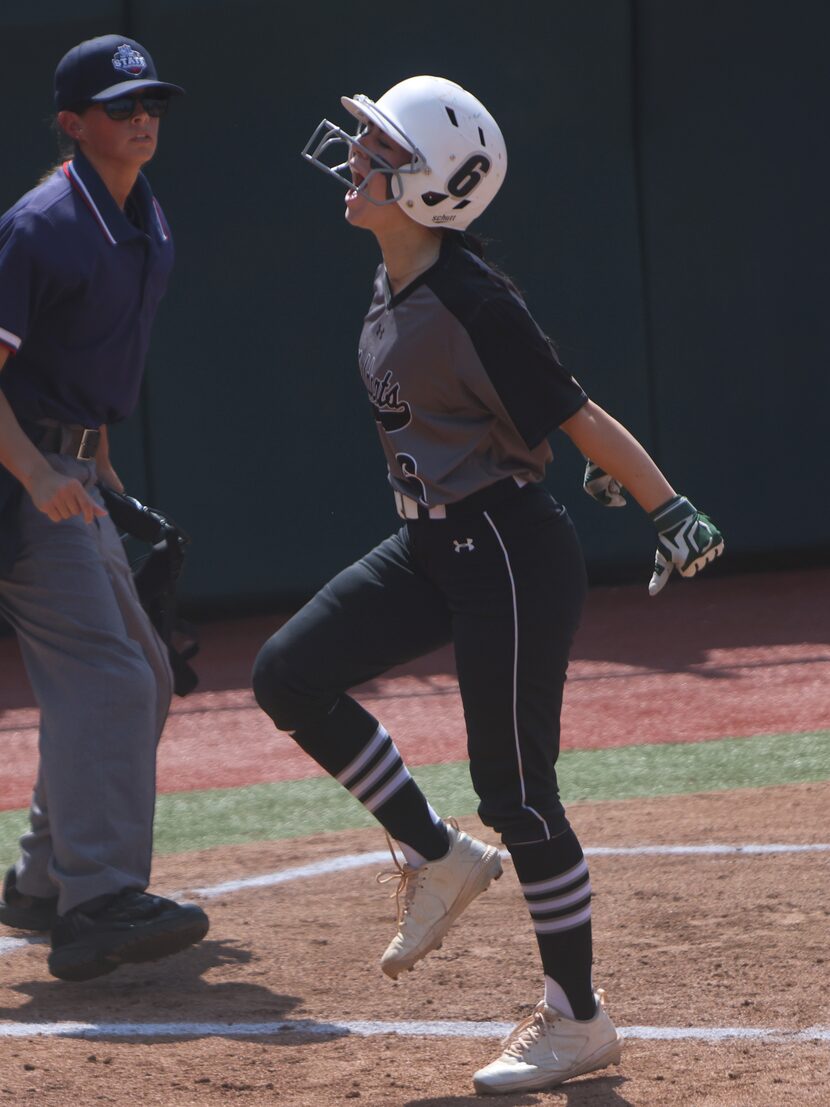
[466, 240]
[67, 148]
[475, 244]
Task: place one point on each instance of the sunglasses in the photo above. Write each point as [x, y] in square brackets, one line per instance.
[124, 107]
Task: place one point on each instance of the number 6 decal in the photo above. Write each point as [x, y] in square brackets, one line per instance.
[468, 175]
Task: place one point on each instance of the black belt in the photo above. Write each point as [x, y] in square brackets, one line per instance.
[65, 438]
[493, 494]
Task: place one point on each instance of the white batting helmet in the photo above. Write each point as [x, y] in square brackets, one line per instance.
[459, 158]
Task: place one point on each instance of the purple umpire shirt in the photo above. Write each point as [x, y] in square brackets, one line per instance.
[80, 282]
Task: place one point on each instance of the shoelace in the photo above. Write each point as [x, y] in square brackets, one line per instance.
[407, 879]
[530, 1029]
[523, 1036]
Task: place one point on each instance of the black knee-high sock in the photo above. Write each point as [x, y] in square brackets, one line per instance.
[355, 749]
[557, 888]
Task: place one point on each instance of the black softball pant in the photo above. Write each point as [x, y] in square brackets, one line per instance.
[505, 584]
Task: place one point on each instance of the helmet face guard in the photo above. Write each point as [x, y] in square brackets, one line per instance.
[323, 151]
[458, 154]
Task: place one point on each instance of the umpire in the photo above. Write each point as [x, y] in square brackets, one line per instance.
[84, 261]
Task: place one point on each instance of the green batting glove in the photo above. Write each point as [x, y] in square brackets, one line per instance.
[687, 540]
[602, 487]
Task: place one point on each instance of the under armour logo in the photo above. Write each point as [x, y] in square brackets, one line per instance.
[459, 546]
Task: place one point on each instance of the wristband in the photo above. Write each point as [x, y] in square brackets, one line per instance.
[672, 512]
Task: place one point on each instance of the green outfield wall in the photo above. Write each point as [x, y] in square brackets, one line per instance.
[665, 212]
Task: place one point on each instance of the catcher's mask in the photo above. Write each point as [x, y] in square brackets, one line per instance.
[155, 573]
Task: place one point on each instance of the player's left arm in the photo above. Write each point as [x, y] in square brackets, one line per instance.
[687, 539]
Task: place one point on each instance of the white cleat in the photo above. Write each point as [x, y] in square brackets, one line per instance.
[431, 898]
[547, 1048]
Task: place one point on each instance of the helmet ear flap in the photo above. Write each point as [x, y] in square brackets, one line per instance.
[461, 157]
[458, 154]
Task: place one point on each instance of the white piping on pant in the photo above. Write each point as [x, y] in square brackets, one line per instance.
[525, 804]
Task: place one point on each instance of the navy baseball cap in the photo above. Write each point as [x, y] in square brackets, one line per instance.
[103, 68]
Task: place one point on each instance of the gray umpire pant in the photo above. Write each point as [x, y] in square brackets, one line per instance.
[102, 680]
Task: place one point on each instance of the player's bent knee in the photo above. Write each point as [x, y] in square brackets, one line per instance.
[268, 681]
[278, 689]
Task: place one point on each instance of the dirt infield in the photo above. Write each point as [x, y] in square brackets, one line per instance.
[715, 963]
[684, 943]
[732, 657]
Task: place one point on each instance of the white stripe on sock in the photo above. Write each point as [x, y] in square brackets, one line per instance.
[567, 922]
[552, 883]
[364, 786]
[397, 782]
[557, 903]
[365, 755]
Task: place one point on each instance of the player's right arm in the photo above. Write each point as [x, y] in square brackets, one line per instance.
[687, 540]
[53, 493]
[615, 450]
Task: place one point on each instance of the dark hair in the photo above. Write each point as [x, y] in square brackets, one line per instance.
[476, 244]
[466, 240]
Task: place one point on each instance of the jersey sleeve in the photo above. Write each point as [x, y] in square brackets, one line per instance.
[535, 390]
[22, 281]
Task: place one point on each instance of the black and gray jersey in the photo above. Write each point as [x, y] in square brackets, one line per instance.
[464, 386]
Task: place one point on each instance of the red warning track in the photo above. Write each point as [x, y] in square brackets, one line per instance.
[726, 657]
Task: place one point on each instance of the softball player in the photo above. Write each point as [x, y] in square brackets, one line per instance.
[84, 262]
[465, 389]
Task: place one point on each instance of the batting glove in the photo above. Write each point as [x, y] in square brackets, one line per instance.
[602, 487]
[687, 540]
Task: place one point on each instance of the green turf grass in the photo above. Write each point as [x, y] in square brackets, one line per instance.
[199, 820]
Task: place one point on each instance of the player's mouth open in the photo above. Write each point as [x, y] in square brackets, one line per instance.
[357, 181]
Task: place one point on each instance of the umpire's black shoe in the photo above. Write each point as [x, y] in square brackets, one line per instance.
[98, 936]
[26, 912]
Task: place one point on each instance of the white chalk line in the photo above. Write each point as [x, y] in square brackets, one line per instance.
[442, 1028]
[435, 1028]
[9, 945]
[316, 868]
[379, 857]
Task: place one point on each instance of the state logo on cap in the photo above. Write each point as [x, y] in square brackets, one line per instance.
[85, 73]
[128, 60]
